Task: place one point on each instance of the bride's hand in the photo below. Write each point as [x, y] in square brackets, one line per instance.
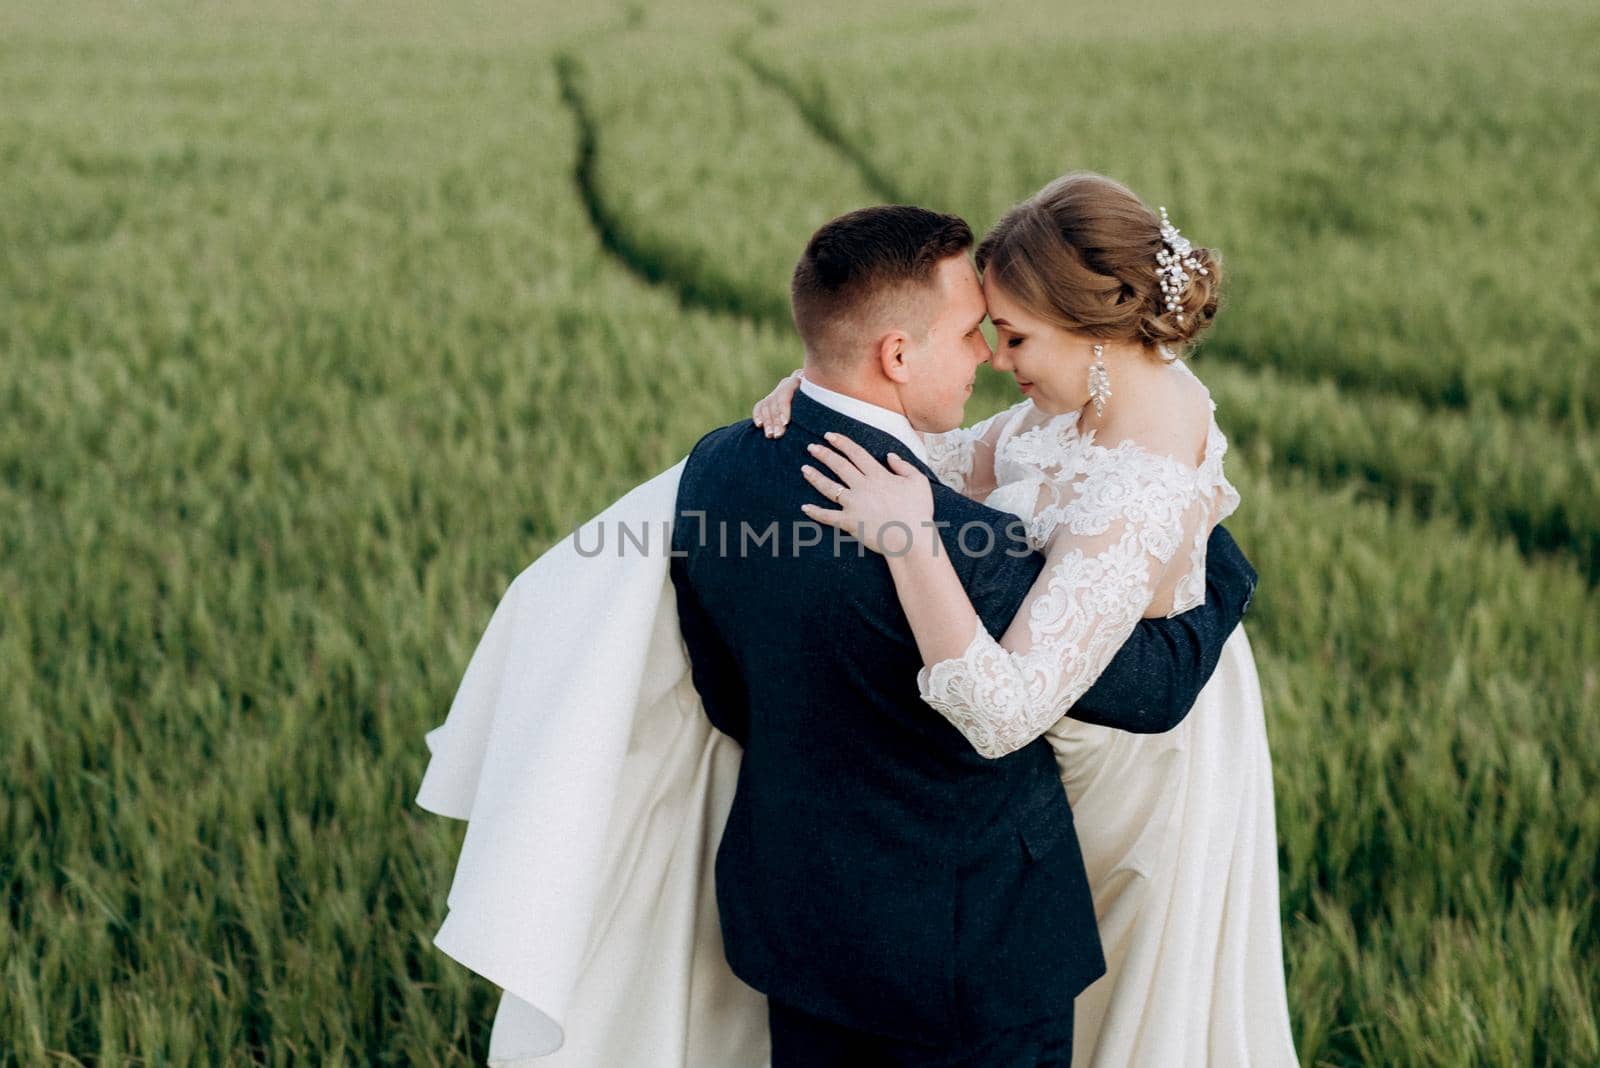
[771, 412]
[881, 506]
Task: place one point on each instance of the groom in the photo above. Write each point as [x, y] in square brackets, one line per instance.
[899, 898]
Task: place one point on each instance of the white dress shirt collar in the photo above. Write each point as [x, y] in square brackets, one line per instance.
[890, 422]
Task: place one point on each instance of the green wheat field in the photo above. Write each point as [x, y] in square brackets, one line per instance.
[320, 321]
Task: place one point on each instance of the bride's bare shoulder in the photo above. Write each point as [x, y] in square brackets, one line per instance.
[1173, 418]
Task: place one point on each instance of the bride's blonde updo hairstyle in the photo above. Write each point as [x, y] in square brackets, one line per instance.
[1082, 253]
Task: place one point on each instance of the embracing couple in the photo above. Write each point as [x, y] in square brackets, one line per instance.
[989, 781]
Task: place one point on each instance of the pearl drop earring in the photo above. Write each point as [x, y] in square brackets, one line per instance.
[1099, 381]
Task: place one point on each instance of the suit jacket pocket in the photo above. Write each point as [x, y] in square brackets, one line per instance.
[1045, 828]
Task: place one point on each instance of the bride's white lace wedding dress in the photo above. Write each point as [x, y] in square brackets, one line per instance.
[1177, 829]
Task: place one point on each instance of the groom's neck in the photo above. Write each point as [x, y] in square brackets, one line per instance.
[877, 390]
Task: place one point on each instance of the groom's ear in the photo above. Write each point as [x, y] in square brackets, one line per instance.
[893, 353]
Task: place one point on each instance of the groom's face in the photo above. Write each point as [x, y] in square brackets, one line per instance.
[945, 363]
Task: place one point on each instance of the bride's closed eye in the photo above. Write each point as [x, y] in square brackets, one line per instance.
[1013, 342]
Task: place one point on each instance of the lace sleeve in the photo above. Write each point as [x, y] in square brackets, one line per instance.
[964, 458]
[1120, 525]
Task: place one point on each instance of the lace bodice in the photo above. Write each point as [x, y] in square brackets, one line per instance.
[1124, 532]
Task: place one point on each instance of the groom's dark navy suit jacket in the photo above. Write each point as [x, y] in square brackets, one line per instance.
[876, 870]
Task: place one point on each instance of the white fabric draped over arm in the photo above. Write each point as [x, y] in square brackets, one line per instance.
[595, 790]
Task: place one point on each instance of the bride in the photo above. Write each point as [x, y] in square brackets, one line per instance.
[1114, 461]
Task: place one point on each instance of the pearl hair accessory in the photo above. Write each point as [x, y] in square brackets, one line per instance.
[1172, 261]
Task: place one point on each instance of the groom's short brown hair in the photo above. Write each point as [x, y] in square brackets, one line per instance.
[855, 267]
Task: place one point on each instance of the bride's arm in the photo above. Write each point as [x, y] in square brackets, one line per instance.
[1093, 592]
[1087, 602]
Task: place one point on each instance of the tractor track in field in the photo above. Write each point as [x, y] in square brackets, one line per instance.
[820, 121]
[652, 262]
[1551, 531]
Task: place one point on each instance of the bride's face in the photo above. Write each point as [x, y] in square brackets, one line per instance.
[1051, 365]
